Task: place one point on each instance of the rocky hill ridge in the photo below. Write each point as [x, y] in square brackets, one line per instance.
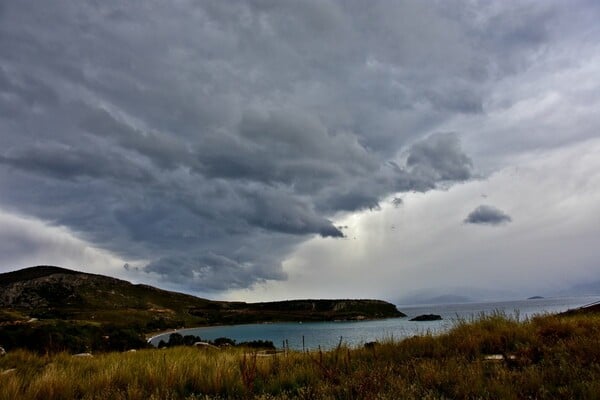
[53, 292]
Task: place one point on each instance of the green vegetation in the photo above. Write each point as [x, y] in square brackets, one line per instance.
[547, 357]
[177, 339]
[70, 336]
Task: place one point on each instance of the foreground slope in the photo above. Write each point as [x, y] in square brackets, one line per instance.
[549, 357]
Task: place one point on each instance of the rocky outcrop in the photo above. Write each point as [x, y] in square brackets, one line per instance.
[47, 286]
[427, 317]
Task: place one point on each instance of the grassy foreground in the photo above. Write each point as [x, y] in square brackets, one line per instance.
[547, 357]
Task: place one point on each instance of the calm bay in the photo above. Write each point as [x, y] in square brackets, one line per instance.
[326, 335]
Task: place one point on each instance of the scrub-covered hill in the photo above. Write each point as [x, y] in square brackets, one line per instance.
[41, 298]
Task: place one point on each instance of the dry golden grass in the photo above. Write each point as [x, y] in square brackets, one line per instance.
[544, 358]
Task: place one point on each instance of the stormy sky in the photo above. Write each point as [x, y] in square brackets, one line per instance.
[260, 150]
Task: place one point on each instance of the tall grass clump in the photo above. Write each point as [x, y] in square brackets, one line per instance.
[489, 357]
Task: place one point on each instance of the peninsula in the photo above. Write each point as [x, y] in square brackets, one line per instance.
[85, 306]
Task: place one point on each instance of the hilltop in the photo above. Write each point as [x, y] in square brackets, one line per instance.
[48, 292]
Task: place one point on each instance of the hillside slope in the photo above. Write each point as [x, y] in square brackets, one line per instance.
[47, 292]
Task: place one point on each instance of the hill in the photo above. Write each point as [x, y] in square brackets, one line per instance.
[50, 309]
[47, 292]
[592, 308]
[45, 297]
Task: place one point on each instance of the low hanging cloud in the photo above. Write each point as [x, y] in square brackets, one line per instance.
[487, 215]
[438, 158]
[211, 138]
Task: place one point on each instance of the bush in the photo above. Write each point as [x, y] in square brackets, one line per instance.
[70, 337]
[223, 341]
[258, 344]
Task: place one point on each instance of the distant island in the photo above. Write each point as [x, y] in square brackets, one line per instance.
[72, 310]
[427, 317]
[535, 298]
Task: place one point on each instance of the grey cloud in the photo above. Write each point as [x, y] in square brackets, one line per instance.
[255, 258]
[285, 146]
[277, 213]
[15, 243]
[235, 129]
[25, 90]
[455, 98]
[432, 160]
[164, 150]
[487, 215]
[354, 199]
[213, 272]
[65, 162]
[440, 158]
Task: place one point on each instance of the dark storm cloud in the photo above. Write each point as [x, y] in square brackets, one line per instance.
[214, 271]
[439, 157]
[487, 215]
[212, 137]
[65, 162]
[164, 150]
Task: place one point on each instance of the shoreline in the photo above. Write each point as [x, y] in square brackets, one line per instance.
[152, 335]
[551, 306]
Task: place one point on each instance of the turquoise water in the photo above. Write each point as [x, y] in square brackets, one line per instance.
[355, 333]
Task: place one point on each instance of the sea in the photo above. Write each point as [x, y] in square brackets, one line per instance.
[327, 335]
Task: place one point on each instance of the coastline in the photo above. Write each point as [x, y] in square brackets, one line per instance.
[152, 335]
[361, 331]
